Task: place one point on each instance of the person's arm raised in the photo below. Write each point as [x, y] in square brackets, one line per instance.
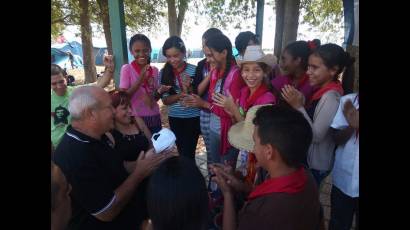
[108, 72]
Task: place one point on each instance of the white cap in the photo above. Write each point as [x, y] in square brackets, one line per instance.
[163, 140]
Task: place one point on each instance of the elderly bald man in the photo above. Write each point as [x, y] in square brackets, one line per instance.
[102, 188]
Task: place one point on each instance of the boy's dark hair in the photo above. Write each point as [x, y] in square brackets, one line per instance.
[56, 69]
[302, 50]
[220, 42]
[139, 37]
[177, 197]
[168, 76]
[287, 130]
[211, 32]
[242, 40]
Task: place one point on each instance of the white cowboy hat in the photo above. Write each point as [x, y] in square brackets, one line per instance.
[254, 53]
[240, 134]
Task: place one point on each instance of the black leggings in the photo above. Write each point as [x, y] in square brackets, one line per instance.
[187, 131]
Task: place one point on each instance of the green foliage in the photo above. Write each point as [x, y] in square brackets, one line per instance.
[138, 15]
[146, 15]
[324, 14]
[223, 13]
[63, 13]
[143, 15]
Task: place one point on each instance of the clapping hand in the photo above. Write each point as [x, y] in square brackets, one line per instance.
[148, 161]
[226, 102]
[143, 74]
[226, 180]
[163, 88]
[293, 96]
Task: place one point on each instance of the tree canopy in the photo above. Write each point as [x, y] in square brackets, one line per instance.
[324, 14]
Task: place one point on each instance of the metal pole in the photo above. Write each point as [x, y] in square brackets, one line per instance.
[119, 40]
[259, 18]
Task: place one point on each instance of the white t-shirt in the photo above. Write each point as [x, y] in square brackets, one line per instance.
[346, 167]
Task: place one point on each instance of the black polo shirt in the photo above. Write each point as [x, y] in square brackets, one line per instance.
[94, 170]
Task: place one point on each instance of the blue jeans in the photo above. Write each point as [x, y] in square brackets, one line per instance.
[204, 121]
[214, 155]
[319, 175]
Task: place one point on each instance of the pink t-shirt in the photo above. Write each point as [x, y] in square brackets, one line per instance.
[142, 102]
[266, 98]
[305, 88]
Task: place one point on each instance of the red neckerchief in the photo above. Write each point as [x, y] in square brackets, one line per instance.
[178, 73]
[302, 82]
[137, 69]
[334, 85]
[226, 121]
[251, 100]
[292, 183]
[219, 73]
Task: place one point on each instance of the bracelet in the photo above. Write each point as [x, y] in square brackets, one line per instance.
[241, 111]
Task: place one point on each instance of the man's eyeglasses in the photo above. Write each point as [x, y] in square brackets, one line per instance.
[57, 82]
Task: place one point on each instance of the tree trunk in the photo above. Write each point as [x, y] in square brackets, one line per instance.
[287, 22]
[183, 5]
[87, 43]
[103, 4]
[291, 22]
[280, 11]
[175, 21]
[172, 18]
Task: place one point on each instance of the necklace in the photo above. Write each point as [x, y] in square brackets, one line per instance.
[130, 137]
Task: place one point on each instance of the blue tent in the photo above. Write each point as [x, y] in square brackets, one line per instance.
[99, 55]
[67, 55]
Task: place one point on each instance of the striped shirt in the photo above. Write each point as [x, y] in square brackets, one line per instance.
[176, 109]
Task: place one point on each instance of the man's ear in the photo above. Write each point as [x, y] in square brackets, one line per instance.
[90, 114]
[269, 151]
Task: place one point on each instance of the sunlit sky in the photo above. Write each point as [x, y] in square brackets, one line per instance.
[191, 33]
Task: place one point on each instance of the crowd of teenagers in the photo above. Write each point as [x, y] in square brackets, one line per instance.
[274, 128]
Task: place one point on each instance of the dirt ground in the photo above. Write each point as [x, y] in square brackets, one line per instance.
[79, 79]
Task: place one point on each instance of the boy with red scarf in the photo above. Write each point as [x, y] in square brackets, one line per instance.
[288, 199]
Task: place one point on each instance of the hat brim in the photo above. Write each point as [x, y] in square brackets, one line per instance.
[268, 59]
[240, 137]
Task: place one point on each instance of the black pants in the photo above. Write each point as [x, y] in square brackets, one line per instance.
[343, 207]
[187, 131]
